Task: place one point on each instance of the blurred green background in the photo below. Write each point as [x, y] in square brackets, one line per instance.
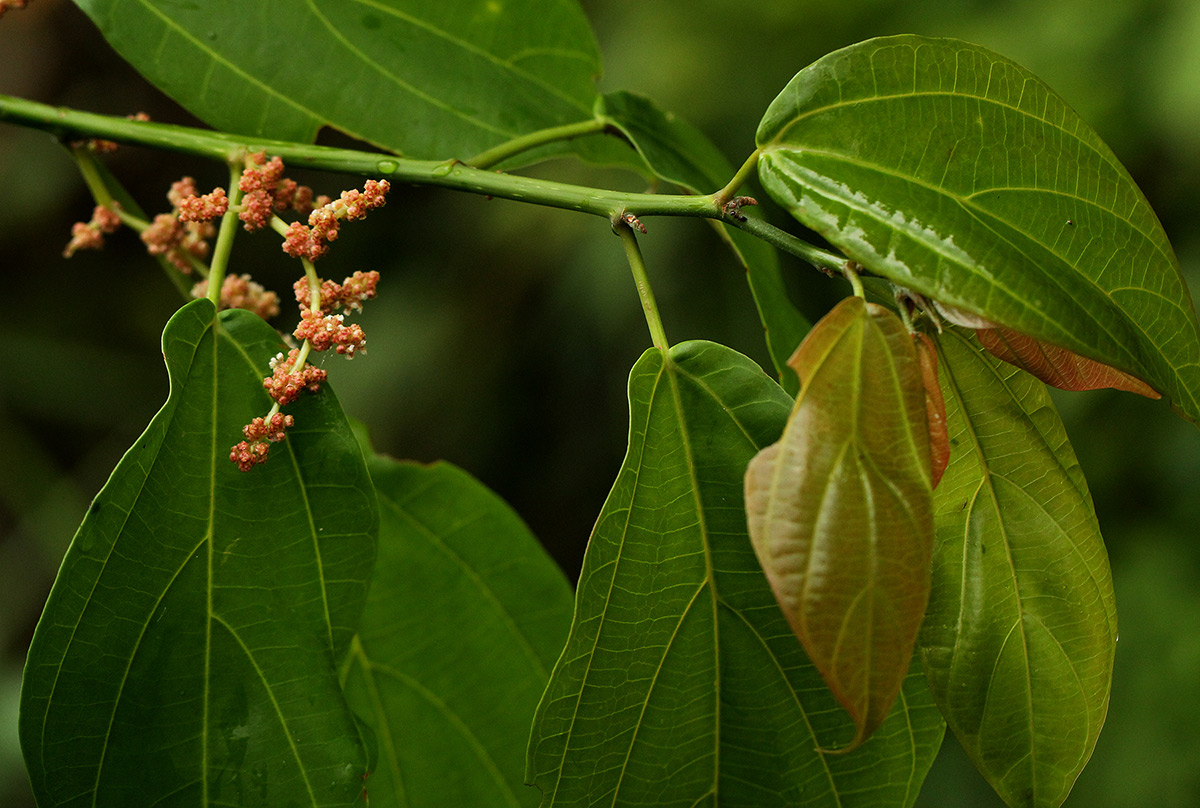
[503, 333]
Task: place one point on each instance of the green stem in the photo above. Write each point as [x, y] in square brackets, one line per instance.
[314, 292]
[638, 266]
[821, 259]
[739, 179]
[509, 149]
[85, 161]
[225, 234]
[851, 273]
[98, 180]
[74, 124]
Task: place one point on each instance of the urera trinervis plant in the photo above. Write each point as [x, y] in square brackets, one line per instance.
[793, 587]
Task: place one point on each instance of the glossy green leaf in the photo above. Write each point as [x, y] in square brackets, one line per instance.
[681, 683]
[435, 80]
[840, 508]
[465, 618]
[1021, 628]
[187, 654]
[960, 175]
[679, 153]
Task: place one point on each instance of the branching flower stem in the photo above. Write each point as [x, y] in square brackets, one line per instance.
[638, 266]
[99, 186]
[225, 234]
[90, 171]
[314, 289]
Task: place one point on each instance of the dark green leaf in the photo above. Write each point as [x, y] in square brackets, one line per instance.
[960, 175]
[840, 509]
[187, 652]
[681, 154]
[428, 79]
[1021, 628]
[681, 683]
[465, 618]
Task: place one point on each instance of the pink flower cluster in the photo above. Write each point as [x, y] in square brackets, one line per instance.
[204, 207]
[330, 331]
[287, 382]
[260, 434]
[266, 191]
[348, 295]
[311, 241]
[322, 331]
[175, 236]
[239, 292]
[90, 235]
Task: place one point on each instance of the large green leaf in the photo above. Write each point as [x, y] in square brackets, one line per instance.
[187, 654]
[428, 79]
[465, 618]
[681, 683]
[1021, 628]
[958, 174]
[840, 508]
[681, 154]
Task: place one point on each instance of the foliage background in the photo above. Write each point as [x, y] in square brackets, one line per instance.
[503, 334]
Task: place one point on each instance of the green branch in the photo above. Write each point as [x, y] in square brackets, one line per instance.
[73, 124]
[69, 124]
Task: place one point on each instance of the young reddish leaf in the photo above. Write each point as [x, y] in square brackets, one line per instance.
[1056, 366]
[935, 407]
[840, 509]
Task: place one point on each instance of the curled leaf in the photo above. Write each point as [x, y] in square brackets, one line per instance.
[935, 407]
[1057, 366]
[840, 509]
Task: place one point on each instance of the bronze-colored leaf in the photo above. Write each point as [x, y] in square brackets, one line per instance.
[840, 512]
[1056, 366]
[935, 407]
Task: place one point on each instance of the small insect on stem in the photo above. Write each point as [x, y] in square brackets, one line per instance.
[633, 222]
[1070, 222]
[733, 208]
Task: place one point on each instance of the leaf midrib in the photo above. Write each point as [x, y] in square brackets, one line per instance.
[808, 113]
[985, 482]
[718, 600]
[1051, 277]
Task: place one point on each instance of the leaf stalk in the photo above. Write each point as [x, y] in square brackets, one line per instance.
[637, 265]
[543, 137]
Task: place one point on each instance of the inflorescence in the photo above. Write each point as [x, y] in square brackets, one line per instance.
[182, 237]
